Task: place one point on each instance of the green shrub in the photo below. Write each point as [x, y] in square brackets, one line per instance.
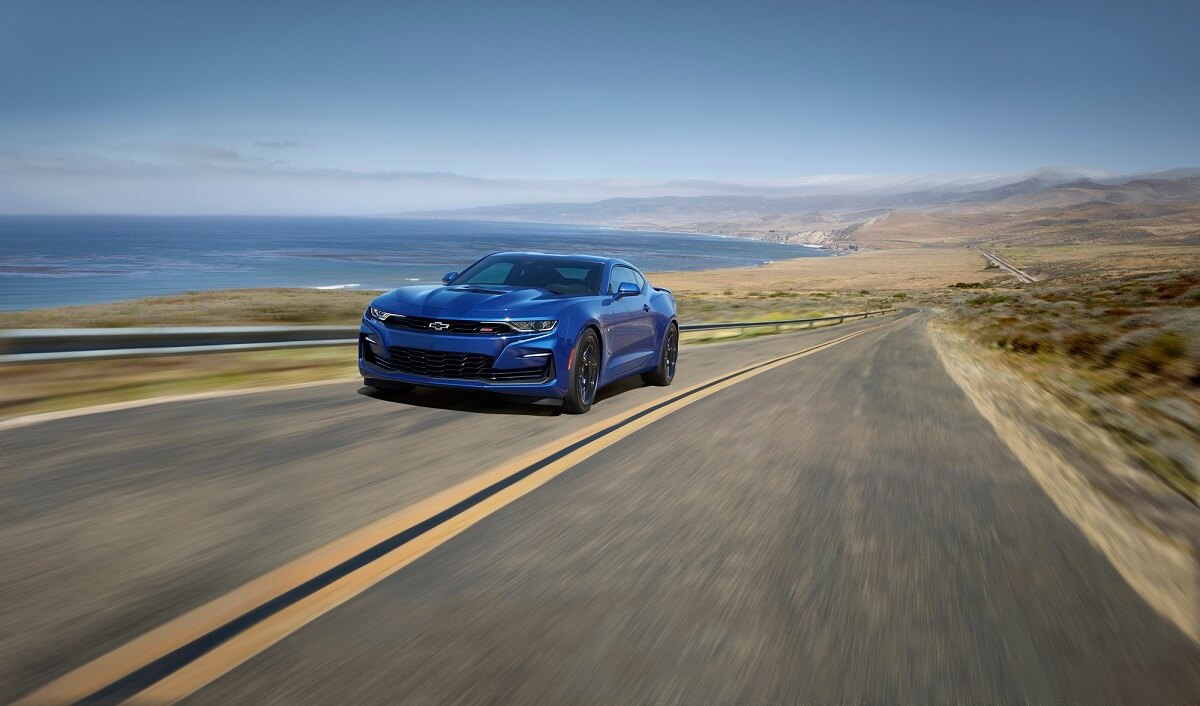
[1171, 344]
[1153, 356]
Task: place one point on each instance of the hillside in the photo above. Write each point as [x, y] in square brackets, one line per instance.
[1049, 207]
[1086, 191]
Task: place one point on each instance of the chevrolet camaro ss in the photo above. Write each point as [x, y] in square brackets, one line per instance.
[529, 324]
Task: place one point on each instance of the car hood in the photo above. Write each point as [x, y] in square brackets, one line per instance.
[470, 301]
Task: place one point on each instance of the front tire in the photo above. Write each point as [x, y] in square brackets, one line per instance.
[667, 359]
[584, 374]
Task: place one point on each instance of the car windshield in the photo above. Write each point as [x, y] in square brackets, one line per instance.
[553, 274]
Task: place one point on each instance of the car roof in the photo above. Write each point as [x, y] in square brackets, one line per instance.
[560, 256]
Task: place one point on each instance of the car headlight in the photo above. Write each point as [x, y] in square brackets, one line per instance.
[380, 314]
[524, 326]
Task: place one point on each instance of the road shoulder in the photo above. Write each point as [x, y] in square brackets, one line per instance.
[1146, 531]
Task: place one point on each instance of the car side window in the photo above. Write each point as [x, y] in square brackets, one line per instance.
[622, 274]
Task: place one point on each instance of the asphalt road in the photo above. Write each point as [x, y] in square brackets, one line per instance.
[841, 528]
[1022, 276]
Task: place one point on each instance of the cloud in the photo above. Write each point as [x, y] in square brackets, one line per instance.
[276, 144]
[167, 152]
[204, 153]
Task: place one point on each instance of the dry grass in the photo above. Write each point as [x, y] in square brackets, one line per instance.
[1122, 349]
[881, 273]
[1074, 321]
[1100, 260]
[32, 389]
[800, 288]
[233, 307]
[778, 305]
[1090, 225]
[1150, 534]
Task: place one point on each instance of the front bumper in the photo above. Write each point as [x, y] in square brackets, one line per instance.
[516, 364]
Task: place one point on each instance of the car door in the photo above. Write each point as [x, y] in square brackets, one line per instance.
[631, 322]
[643, 322]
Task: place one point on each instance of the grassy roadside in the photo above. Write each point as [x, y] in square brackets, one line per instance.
[1149, 533]
[1119, 347]
[1112, 330]
[32, 389]
[233, 307]
[283, 307]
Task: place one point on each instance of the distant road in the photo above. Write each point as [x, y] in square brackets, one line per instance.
[835, 526]
[1021, 275]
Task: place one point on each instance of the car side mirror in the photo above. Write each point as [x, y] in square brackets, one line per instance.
[627, 289]
[449, 277]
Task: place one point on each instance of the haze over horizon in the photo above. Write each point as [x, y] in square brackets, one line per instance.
[139, 107]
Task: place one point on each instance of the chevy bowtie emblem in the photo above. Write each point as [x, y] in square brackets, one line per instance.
[439, 326]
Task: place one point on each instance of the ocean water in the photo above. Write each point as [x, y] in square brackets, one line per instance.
[54, 261]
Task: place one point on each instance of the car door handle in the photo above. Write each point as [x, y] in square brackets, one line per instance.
[645, 307]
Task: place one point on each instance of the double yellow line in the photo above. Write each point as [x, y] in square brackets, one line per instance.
[181, 656]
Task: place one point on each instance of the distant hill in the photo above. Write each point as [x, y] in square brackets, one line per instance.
[1087, 191]
[841, 220]
[1021, 188]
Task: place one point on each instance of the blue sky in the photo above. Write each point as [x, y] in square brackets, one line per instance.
[233, 99]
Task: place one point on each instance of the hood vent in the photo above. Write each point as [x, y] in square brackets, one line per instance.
[478, 290]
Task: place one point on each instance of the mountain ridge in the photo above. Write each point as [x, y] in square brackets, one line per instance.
[844, 221]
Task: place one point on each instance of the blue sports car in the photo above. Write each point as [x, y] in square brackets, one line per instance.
[529, 324]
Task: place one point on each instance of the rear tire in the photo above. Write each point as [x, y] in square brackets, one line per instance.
[667, 360]
[584, 375]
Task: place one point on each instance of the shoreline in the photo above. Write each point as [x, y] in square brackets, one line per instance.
[358, 287]
[646, 228]
[335, 304]
[875, 272]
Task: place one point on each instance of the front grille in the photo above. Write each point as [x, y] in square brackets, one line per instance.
[457, 366]
[422, 324]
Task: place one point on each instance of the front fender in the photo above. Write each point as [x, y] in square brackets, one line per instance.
[573, 318]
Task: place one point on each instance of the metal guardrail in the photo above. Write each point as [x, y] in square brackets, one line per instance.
[786, 322]
[62, 345]
[55, 345]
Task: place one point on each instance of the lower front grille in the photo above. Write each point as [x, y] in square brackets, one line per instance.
[457, 366]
